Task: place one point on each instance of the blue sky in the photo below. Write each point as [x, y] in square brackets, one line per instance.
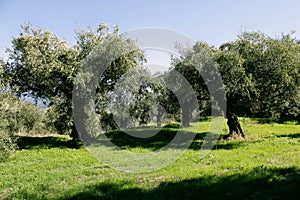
[213, 21]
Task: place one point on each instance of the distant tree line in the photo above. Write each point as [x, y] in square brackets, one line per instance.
[260, 74]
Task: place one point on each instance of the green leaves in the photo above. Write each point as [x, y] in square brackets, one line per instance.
[261, 71]
[261, 74]
[96, 80]
[45, 66]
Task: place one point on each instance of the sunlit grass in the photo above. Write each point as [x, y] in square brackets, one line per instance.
[265, 165]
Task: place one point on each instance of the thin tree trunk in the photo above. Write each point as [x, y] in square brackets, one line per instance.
[159, 116]
[185, 118]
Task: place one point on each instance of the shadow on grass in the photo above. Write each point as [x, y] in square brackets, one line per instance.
[32, 142]
[124, 140]
[162, 138]
[197, 145]
[260, 183]
[292, 135]
[159, 140]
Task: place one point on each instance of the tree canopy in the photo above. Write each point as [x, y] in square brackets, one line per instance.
[260, 75]
[44, 66]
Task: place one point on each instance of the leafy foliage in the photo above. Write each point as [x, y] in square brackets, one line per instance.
[198, 67]
[45, 66]
[18, 116]
[7, 145]
[262, 74]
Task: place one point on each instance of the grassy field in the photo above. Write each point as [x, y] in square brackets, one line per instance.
[265, 165]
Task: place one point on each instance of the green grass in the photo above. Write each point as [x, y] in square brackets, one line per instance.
[266, 165]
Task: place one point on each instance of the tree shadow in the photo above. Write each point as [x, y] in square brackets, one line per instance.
[164, 137]
[159, 140]
[259, 183]
[47, 142]
[124, 140]
[219, 144]
[229, 145]
[292, 135]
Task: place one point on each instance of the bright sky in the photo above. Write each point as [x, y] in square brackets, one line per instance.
[213, 21]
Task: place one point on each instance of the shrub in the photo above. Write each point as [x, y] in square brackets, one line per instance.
[18, 116]
[7, 145]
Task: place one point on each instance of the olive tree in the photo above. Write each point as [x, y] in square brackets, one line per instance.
[262, 74]
[44, 66]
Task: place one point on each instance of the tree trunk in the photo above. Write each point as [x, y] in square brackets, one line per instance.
[159, 115]
[186, 117]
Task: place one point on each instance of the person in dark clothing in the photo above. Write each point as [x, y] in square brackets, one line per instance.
[234, 125]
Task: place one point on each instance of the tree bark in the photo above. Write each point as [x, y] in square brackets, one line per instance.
[186, 117]
[159, 115]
